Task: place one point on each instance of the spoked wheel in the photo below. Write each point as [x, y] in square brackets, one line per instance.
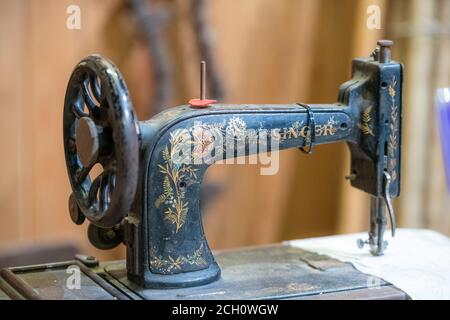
[100, 128]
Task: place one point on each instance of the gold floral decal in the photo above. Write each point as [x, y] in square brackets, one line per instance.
[366, 118]
[170, 264]
[394, 126]
[173, 196]
[201, 138]
[174, 173]
[236, 127]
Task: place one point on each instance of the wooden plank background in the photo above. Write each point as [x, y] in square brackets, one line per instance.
[268, 52]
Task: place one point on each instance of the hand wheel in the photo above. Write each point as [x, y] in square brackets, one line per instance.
[100, 128]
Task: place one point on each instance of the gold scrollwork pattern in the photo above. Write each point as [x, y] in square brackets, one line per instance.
[200, 139]
[170, 264]
[173, 195]
[394, 128]
[177, 172]
[366, 118]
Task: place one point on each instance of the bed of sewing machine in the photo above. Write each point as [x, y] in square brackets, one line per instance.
[270, 272]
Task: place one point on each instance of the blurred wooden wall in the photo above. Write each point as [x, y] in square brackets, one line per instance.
[268, 51]
[37, 55]
[421, 30]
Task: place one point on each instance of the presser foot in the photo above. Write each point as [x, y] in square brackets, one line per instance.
[375, 249]
[378, 250]
[378, 221]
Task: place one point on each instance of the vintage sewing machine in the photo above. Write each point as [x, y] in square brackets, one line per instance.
[149, 193]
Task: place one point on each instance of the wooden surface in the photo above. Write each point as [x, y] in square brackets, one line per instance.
[272, 272]
[383, 293]
[269, 272]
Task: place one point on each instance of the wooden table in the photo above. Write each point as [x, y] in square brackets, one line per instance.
[270, 272]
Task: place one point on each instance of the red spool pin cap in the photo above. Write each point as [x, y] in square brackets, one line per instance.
[201, 103]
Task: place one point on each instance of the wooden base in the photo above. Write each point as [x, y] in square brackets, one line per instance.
[273, 272]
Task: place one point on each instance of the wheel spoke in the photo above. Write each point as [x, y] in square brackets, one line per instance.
[93, 190]
[95, 87]
[83, 173]
[78, 112]
[104, 191]
[87, 97]
[112, 180]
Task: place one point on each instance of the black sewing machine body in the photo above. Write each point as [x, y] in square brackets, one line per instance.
[149, 196]
[173, 249]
